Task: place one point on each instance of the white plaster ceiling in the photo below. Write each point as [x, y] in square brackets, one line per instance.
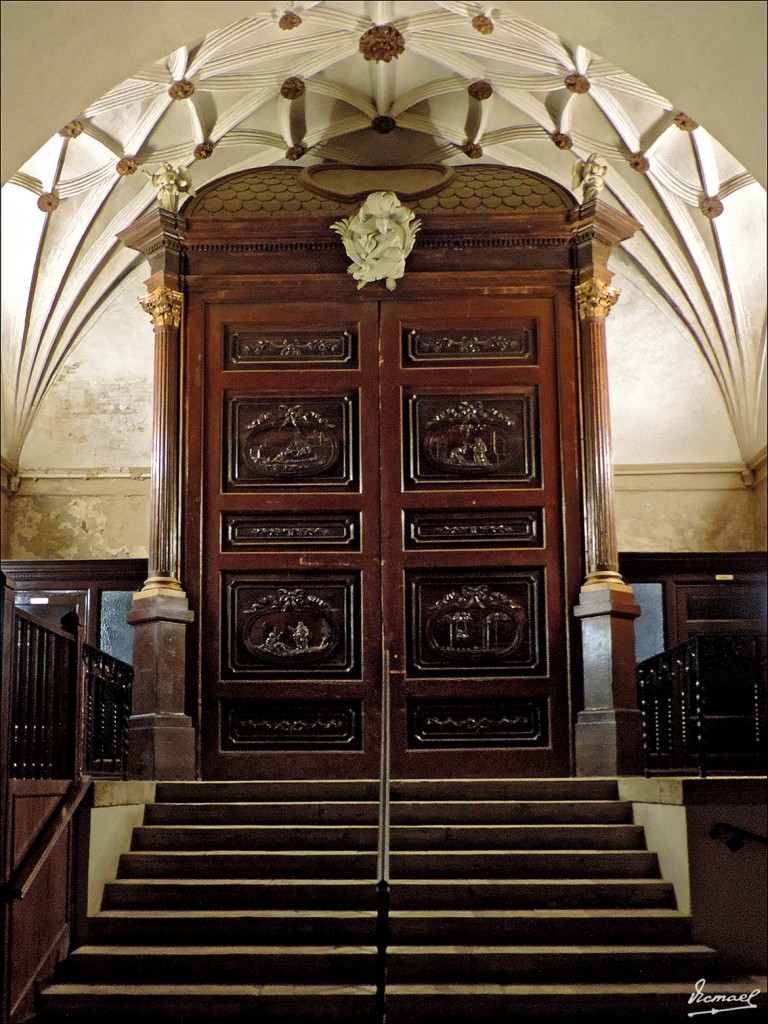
[707, 272]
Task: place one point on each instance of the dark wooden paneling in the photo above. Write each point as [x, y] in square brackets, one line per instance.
[289, 441]
[292, 625]
[38, 926]
[704, 592]
[472, 439]
[291, 725]
[456, 463]
[473, 623]
[289, 530]
[507, 722]
[289, 564]
[487, 458]
[443, 528]
[73, 585]
[247, 347]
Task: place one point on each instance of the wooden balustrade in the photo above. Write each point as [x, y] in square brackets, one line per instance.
[65, 710]
[43, 699]
[703, 704]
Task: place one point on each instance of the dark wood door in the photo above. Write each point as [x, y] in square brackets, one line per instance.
[383, 475]
[291, 618]
[473, 549]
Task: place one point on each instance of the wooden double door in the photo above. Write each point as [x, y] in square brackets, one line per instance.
[386, 475]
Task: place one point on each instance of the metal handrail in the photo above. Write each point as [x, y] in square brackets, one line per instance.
[382, 859]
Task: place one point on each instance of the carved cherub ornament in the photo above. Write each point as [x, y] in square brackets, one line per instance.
[378, 239]
[591, 174]
[171, 183]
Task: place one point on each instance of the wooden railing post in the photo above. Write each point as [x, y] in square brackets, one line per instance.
[162, 737]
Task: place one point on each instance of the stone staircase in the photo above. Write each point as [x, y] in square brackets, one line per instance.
[511, 899]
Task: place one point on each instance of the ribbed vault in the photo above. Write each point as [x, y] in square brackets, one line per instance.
[379, 84]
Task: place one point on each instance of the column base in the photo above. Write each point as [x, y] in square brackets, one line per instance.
[161, 737]
[161, 747]
[609, 742]
[609, 731]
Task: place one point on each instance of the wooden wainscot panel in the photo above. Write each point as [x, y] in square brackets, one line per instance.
[39, 925]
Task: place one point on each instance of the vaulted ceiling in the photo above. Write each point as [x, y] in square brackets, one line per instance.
[382, 84]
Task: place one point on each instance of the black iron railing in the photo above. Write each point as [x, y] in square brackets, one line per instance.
[704, 705]
[382, 859]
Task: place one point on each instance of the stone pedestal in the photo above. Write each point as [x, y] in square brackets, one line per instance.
[161, 737]
[609, 731]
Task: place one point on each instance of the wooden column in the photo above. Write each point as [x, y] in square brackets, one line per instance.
[161, 736]
[609, 729]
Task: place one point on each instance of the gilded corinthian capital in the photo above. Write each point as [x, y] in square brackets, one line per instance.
[595, 298]
[164, 306]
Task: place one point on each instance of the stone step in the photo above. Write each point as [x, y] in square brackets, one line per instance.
[329, 964]
[577, 1003]
[406, 926]
[401, 789]
[402, 837]
[502, 964]
[125, 1004]
[351, 927]
[403, 812]
[403, 864]
[406, 894]
[247, 964]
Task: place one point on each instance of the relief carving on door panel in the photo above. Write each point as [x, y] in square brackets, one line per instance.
[295, 626]
[255, 531]
[515, 344]
[482, 438]
[247, 348]
[487, 624]
[512, 528]
[290, 724]
[289, 442]
[506, 722]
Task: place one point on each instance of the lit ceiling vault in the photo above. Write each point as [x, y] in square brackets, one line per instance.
[383, 84]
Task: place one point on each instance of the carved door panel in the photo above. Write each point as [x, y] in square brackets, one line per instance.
[383, 474]
[290, 540]
[473, 537]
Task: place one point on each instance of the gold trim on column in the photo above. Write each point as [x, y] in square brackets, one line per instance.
[165, 306]
[595, 299]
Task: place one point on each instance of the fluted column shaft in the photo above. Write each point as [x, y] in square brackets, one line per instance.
[594, 301]
[165, 307]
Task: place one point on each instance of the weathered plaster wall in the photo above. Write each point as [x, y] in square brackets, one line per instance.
[5, 513]
[761, 503]
[665, 405]
[98, 413]
[97, 518]
[693, 509]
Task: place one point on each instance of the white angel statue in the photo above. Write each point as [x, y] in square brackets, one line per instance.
[591, 174]
[378, 239]
[171, 183]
